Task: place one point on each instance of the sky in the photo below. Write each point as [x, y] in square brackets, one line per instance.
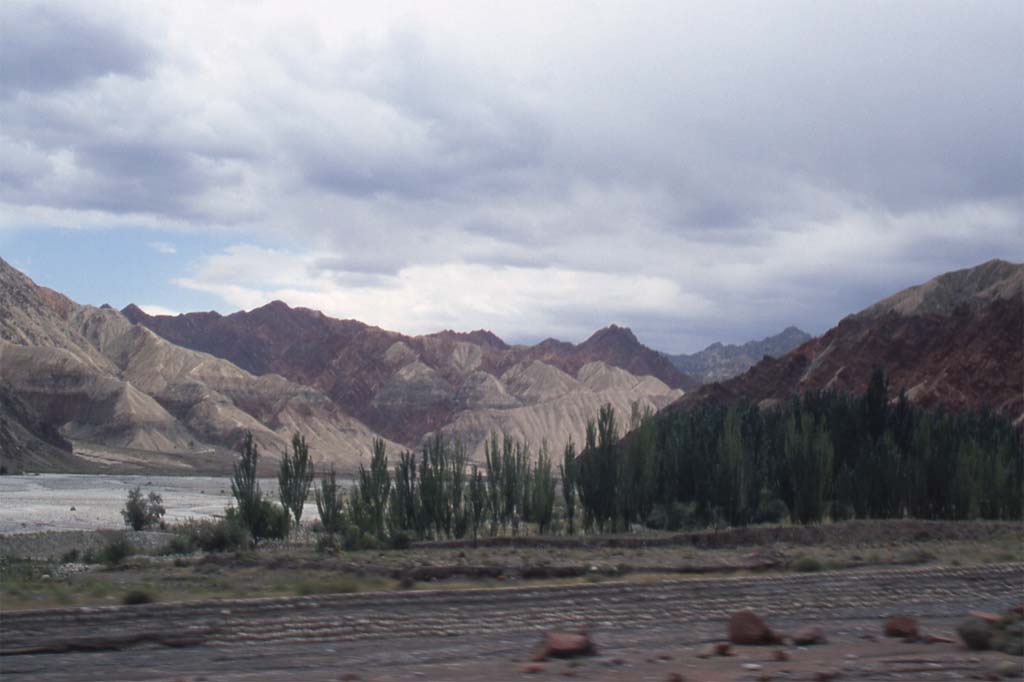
[699, 172]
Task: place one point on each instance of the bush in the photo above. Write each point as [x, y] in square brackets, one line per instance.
[326, 544]
[138, 597]
[400, 540]
[772, 510]
[115, 551]
[70, 557]
[222, 535]
[355, 539]
[143, 512]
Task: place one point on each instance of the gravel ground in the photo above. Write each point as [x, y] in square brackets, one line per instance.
[643, 631]
[43, 502]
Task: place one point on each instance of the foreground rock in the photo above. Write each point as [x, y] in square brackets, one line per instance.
[901, 626]
[809, 636]
[1002, 632]
[746, 627]
[565, 645]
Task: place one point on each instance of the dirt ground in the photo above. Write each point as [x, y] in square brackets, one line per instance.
[643, 631]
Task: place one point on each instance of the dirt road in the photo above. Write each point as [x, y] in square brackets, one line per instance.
[489, 634]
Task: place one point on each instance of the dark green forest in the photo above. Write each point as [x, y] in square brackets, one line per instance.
[821, 456]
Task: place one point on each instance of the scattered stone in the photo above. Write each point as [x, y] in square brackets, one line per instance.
[674, 677]
[976, 634]
[809, 636]
[532, 668]
[751, 666]
[930, 638]
[901, 626]
[664, 657]
[349, 677]
[780, 655]
[746, 627]
[565, 645]
[715, 649]
[72, 509]
[1008, 669]
[826, 675]
[618, 661]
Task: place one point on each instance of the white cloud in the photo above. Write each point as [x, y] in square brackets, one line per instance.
[151, 309]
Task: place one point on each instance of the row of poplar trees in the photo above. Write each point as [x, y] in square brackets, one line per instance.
[819, 456]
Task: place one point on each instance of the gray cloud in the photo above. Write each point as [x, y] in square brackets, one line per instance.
[785, 166]
[51, 47]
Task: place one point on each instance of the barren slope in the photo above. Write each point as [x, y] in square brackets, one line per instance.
[956, 342]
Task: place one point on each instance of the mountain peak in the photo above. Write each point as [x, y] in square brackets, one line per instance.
[612, 334]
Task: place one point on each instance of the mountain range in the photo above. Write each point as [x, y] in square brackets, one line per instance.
[95, 389]
[719, 362]
[131, 391]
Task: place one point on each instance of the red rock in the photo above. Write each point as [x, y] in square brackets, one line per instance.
[901, 626]
[674, 677]
[565, 645]
[809, 636]
[780, 655]
[532, 668]
[746, 627]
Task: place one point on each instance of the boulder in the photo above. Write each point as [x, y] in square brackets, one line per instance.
[746, 627]
[976, 634]
[901, 626]
[809, 636]
[565, 645]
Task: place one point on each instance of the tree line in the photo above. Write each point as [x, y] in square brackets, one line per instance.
[822, 455]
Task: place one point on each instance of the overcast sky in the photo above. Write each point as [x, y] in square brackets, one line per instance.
[696, 171]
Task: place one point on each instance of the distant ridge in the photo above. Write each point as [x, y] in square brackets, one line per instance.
[719, 362]
[462, 383]
[956, 342]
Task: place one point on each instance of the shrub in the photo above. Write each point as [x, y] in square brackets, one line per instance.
[70, 557]
[143, 512]
[326, 544]
[138, 597]
[115, 551]
[399, 540]
[771, 510]
[222, 535]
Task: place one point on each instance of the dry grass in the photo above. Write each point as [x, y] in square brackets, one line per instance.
[299, 570]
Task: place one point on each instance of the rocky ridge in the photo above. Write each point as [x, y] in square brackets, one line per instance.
[462, 384]
[719, 362]
[95, 377]
[955, 342]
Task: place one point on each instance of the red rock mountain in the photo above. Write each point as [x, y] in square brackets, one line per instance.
[408, 386]
[956, 341]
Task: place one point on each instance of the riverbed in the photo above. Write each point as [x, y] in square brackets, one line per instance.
[48, 502]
